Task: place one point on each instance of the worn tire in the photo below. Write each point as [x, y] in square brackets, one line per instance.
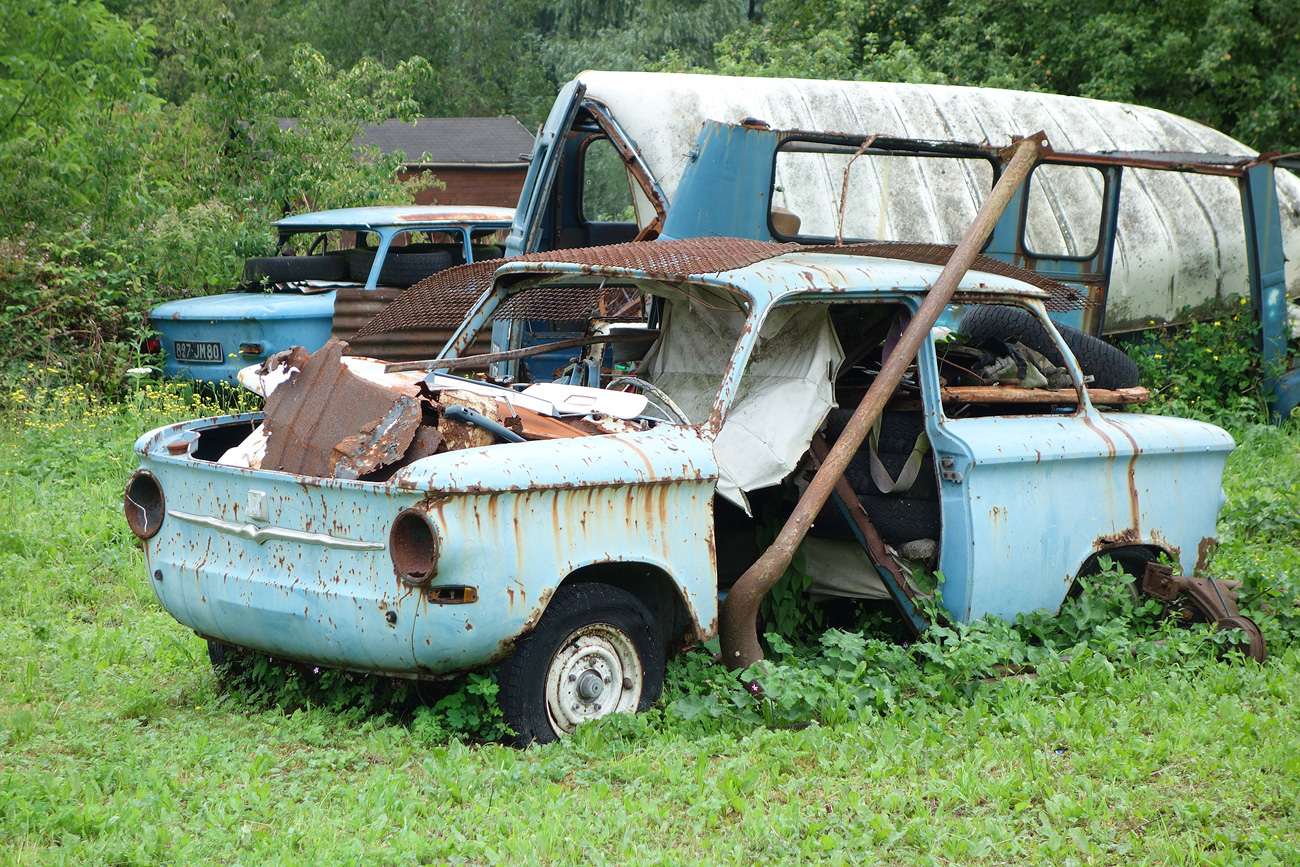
[1108, 365]
[402, 270]
[898, 434]
[282, 269]
[898, 519]
[228, 664]
[487, 251]
[903, 519]
[359, 261]
[588, 630]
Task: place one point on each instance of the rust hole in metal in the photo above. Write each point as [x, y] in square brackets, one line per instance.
[144, 505]
[413, 545]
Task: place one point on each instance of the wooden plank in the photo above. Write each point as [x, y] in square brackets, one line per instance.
[1016, 394]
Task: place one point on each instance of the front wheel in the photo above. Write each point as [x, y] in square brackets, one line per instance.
[596, 651]
[228, 664]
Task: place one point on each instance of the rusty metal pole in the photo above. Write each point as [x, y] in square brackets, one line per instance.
[738, 632]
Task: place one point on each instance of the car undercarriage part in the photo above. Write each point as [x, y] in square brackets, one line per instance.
[1214, 600]
[739, 638]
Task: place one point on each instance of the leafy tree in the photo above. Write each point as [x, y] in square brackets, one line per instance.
[112, 200]
[636, 34]
[1233, 64]
[70, 73]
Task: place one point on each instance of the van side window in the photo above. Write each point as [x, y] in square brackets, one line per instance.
[606, 195]
[926, 199]
[1054, 192]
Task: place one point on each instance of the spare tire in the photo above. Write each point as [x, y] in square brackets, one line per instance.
[406, 269]
[898, 519]
[283, 269]
[1108, 366]
[360, 260]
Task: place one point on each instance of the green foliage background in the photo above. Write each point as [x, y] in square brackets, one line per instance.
[140, 157]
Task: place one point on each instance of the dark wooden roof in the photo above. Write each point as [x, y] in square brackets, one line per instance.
[452, 140]
[447, 140]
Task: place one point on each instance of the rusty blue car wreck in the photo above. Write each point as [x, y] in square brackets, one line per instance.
[421, 524]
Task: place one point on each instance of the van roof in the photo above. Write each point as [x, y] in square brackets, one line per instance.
[1180, 239]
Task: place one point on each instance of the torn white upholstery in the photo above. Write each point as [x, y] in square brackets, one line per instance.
[784, 394]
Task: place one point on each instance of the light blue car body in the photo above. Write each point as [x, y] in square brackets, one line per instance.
[244, 328]
[1026, 501]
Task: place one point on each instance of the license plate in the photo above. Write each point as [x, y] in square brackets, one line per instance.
[198, 351]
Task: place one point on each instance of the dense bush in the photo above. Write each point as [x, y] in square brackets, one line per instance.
[112, 200]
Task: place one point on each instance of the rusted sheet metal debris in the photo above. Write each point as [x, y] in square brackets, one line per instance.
[740, 647]
[354, 306]
[458, 434]
[328, 422]
[378, 443]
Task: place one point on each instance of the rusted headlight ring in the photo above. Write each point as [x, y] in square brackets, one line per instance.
[413, 546]
[144, 504]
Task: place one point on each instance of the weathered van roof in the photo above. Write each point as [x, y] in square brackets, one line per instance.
[386, 216]
[1180, 236]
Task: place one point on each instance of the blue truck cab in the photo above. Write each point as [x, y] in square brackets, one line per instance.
[290, 300]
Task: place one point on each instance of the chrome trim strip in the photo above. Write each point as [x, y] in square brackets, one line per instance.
[260, 535]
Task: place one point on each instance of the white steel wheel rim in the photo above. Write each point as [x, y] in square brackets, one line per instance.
[596, 672]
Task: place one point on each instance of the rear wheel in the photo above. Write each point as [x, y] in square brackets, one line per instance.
[596, 651]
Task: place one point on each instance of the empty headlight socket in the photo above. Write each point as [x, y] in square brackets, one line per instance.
[413, 545]
[144, 504]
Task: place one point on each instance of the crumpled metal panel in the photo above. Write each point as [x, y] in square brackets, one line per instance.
[328, 422]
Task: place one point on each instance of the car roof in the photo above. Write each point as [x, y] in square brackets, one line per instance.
[761, 272]
[830, 271]
[410, 216]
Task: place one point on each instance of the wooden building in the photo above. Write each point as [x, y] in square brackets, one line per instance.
[478, 158]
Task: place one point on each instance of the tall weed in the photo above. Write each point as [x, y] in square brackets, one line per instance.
[1208, 368]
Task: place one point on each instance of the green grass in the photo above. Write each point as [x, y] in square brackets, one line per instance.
[117, 746]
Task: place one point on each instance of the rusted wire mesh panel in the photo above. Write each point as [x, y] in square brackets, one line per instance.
[442, 300]
[1062, 297]
[565, 303]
